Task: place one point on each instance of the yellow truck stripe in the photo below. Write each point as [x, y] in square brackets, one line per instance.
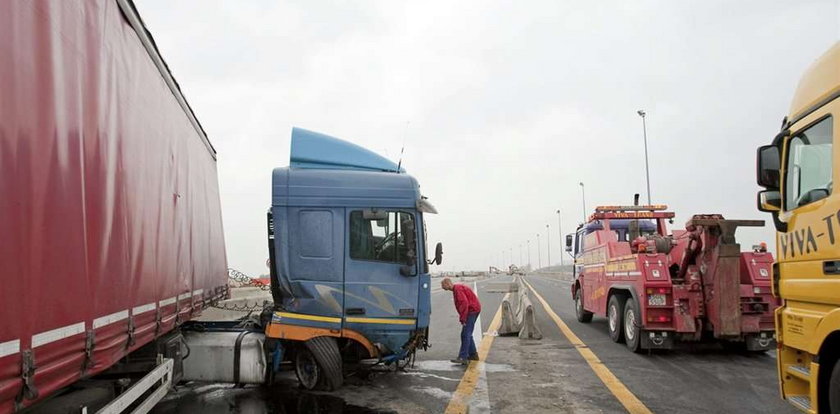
[307, 317]
[381, 320]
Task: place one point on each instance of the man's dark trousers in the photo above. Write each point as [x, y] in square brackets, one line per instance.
[467, 341]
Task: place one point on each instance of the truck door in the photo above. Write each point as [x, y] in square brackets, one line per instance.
[314, 269]
[578, 251]
[381, 270]
[806, 251]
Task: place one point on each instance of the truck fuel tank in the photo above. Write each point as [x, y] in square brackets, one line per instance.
[235, 357]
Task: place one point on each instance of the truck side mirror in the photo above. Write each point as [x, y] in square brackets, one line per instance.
[769, 201]
[768, 162]
[569, 243]
[438, 254]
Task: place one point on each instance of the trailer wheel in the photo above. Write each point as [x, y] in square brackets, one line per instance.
[615, 319]
[632, 326]
[834, 389]
[325, 351]
[582, 315]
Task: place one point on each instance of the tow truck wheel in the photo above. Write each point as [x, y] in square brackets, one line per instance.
[582, 315]
[615, 312]
[632, 326]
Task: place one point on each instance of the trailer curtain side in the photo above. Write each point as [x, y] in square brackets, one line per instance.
[110, 219]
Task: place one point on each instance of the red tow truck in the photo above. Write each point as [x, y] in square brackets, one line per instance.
[657, 288]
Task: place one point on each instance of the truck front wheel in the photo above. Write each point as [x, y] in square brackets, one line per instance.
[834, 389]
[307, 370]
[318, 364]
[632, 326]
[582, 315]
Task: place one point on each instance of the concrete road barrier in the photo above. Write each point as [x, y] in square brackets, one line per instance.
[518, 314]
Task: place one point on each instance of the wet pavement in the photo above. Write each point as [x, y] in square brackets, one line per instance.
[519, 375]
[226, 398]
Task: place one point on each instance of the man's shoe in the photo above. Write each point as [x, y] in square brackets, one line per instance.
[474, 357]
[459, 361]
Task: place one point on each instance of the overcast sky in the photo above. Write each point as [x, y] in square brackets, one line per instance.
[503, 106]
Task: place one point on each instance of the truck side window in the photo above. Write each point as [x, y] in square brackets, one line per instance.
[809, 165]
[621, 235]
[382, 240]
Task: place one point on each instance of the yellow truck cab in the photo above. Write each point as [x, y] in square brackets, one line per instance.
[797, 172]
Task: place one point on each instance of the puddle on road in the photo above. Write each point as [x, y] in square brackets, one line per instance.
[435, 365]
[435, 392]
[422, 374]
[227, 399]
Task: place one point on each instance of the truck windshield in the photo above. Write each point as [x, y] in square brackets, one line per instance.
[809, 164]
[382, 240]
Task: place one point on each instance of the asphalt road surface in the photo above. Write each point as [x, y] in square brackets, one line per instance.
[550, 375]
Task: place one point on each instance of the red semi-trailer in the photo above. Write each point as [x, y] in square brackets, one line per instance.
[110, 220]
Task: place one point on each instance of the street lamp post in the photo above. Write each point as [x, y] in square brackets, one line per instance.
[583, 199]
[548, 244]
[510, 250]
[539, 260]
[529, 254]
[520, 254]
[560, 232]
[642, 114]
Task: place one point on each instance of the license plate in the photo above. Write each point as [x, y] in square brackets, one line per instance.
[656, 300]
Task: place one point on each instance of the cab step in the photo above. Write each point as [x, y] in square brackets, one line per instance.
[800, 371]
[800, 401]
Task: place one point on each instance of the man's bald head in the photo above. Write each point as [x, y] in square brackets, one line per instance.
[446, 283]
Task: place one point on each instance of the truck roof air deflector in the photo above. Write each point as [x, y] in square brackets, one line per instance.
[318, 151]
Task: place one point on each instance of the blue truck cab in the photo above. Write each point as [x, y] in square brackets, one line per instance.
[348, 258]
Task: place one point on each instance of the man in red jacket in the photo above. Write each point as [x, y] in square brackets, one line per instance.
[468, 307]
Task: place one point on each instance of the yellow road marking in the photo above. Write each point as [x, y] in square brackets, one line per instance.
[461, 398]
[381, 320]
[307, 317]
[624, 396]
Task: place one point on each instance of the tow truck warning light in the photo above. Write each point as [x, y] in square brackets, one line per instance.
[649, 207]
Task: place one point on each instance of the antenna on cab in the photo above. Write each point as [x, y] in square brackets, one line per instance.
[402, 150]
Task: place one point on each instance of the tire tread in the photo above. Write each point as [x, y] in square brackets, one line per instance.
[326, 352]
